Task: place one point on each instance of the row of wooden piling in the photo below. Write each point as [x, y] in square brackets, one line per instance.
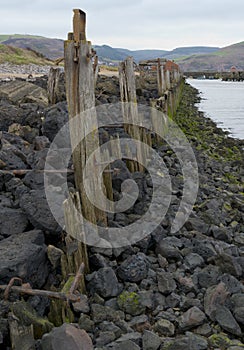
[81, 73]
[81, 69]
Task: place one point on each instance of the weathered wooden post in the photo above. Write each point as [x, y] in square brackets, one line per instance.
[130, 109]
[167, 79]
[161, 78]
[176, 76]
[79, 79]
[95, 69]
[22, 337]
[81, 97]
[79, 74]
[53, 85]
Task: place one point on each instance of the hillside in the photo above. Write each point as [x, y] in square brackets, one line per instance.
[4, 37]
[143, 54]
[220, 60]
[108, 53]
[196, 58]
[51, 48]
[180, 52]
[16, 55]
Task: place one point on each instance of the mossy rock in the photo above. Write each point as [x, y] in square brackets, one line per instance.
[28, 316]
[221, 341]
[130, 303]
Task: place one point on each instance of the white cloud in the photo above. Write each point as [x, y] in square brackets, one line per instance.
[132, 24]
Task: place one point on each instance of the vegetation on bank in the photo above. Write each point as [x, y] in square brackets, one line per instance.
[14, 55]
[220, 150]
[203, 132]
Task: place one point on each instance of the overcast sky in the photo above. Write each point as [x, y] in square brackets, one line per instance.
[132, 24]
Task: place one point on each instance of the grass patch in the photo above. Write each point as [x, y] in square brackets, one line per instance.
[109, 68]
[14, 55]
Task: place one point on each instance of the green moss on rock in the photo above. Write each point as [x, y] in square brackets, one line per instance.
[28, 316]
[130, 303]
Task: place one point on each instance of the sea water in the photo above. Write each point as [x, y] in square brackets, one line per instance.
[223, 102]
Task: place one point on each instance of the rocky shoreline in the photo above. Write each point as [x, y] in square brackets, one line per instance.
[10, 71]
[167, 292]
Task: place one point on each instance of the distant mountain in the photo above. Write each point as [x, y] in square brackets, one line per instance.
[51, 48]
[195, 58]
[143, 54]
[107, 53]
[220, 60]
[191, 50]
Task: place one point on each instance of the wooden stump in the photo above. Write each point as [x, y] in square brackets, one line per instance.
[53, 85]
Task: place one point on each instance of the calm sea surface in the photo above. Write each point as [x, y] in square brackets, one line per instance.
[223, 102]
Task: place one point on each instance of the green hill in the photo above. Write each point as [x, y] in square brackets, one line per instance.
[16, 55]
[220, 60]
[4, 37]
[143, 54]
[51, 48]
[108, 53]
[196, 58]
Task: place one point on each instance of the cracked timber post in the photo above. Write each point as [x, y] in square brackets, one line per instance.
[79, 76]
[53, 85]
[130, 109]
[160, 78]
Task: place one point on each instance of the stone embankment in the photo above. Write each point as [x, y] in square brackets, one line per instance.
[167, 292]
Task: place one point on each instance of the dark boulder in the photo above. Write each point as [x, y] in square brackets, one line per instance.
[104, 282]
[134, 268]
[168, 251]
[35, 206]
[9, 114]
[12, 221]
[24, 255]
[166, 282]
[215, 297]
[56, 117]
[66, 337]
[226, 320]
